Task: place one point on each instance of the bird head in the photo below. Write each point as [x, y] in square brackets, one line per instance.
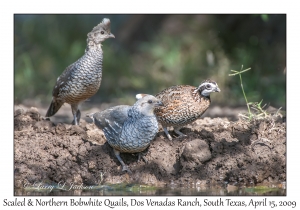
[207, 87]
[100, 32]
[147, 104]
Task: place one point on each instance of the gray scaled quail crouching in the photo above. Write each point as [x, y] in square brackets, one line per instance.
[82, 79]
[129, 129]
[183, 104]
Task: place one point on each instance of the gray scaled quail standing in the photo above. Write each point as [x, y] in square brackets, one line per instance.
[183, 104]
[129, 129]
[82, 79]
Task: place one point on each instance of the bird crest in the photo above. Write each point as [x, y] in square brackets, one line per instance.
[105, 24]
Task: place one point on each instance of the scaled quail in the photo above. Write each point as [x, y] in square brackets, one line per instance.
[129, 129]
[183, 104]
[82, 79]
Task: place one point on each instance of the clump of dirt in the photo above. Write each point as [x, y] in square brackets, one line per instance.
[215, 151]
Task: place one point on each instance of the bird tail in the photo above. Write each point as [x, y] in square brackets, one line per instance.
[54, 107]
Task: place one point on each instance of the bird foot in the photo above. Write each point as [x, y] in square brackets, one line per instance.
[169, 137]
[74, 122]
[125, 168]
[141, 155]
[180, 133]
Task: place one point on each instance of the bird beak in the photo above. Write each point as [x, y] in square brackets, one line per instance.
[111, 35]
[159, 103]
[217, 89]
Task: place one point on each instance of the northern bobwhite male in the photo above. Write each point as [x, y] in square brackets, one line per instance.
[183, 104]
[82, 79]
[129, 129]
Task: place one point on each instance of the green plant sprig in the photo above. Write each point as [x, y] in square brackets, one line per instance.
[241, 80]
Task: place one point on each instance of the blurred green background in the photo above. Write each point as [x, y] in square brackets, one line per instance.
[153, 52]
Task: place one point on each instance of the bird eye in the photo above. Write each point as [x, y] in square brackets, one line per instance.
[102, 32]
[150, 101]
[208, 86]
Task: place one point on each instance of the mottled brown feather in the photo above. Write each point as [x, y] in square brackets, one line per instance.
[183, 104]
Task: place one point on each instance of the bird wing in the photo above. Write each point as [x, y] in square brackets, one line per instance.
[173, 97]
[174, 93]
[111, 120]
[176, 103]
[61, 85]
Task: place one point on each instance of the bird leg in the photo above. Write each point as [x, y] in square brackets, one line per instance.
[124, 167]
[167, 133]
[76, 114]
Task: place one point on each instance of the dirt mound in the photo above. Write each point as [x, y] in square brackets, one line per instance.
[215, 151]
